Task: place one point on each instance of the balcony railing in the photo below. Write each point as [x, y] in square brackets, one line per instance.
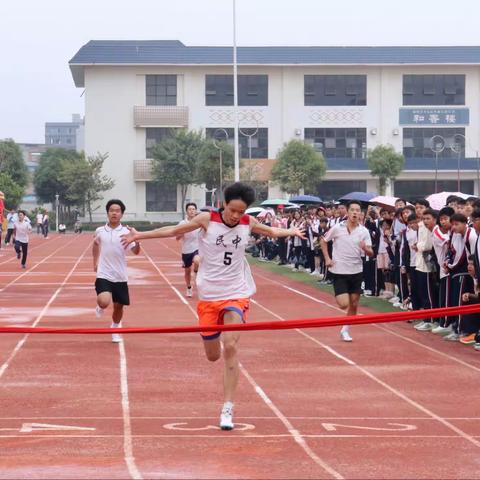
[160, 116]
[142, 170]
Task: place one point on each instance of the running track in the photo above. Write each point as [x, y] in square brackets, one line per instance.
[394, 404]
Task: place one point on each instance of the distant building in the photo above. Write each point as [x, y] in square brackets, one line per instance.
[31, 155]
[69, 135]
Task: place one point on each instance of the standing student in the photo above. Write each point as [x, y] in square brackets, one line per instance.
[190, 258]
[39, 218]
[224, 281]
[46, 224]
[350, 241]
[21, 231]
[110, 265]
[440, 239]
[12, 217]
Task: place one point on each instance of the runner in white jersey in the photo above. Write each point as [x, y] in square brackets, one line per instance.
[110, 265]
[224, 282]
[190, 258]
[351, 241]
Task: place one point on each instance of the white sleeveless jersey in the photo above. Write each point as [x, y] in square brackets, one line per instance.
[224, 273]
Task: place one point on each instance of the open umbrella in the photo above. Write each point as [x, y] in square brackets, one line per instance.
[306, 199]
[439, 200]
[384, 201]
[266, 212]
[254, 211]
[358, 196]
[275, 202]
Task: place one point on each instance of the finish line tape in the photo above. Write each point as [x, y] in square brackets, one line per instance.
[276, 325]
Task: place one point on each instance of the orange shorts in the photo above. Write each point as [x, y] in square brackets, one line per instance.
[211, 313]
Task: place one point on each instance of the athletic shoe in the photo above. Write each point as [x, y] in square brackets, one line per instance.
[345, 336]
[477, 346]
[452, 337]
[398, 305]
[468, 339]
[189, 292]
[394, 300]
[116, 337]
[417, 323]
[98, 312]
[23, 266]
[314, 274]
[226, 417]
[367, 293]
[424, 327]
[442, 330]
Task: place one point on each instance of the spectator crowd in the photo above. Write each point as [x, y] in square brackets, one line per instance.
[423, 258]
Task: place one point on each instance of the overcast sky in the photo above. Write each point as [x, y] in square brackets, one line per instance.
[38, 37]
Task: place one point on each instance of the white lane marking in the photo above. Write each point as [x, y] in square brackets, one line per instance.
[169, 283]
[20, 344]
[381, 327]
[293, 432]
[291, 429]
[35, 427]
[393, 390]
[127, 426]
[397, 427]
[181, 426]
[28, 271]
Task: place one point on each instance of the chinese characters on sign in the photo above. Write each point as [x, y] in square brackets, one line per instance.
[434, 116]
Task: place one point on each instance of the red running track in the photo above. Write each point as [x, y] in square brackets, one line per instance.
[395, 403]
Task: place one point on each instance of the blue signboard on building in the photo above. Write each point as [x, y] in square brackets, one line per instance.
[444, 117]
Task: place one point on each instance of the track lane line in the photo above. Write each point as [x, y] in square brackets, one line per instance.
[292, 431]
[380, 327]
[377, 380]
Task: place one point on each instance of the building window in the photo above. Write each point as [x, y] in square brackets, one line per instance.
[434, 89]
[252, 90]
[417, 142]
[338, 142]
[161, 198]
[334, 189]
[161, 89]
[253, 141]
[409, 188]
[155, 136]
[335, 90]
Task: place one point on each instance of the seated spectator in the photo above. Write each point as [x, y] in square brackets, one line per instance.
[62, 228]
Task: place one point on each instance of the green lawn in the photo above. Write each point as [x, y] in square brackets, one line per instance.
[376, 304]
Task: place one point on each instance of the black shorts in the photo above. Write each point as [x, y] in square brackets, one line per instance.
[119, 290]
[187, 259]
[347, 283]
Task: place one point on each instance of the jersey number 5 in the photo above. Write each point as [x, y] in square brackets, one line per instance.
[227, 258]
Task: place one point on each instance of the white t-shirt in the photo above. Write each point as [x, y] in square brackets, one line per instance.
[39, 218]
[22, 229]
[347, 254]
[112, 262]
[190, 240]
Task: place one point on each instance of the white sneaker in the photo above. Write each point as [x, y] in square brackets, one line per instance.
[116, 337]
[398, 305]
[345, 336]
[419, 325]
[98, 312]
[189, 292]
[425, 327]
[452, 337]
[394, 300]
[442, 330]
[367, 293]
[226, 417]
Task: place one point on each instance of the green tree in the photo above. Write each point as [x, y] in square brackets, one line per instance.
[208, 167]
[13, 191]
[49, 178]
[12, 162]
[386, 164]
[86, 182]
[298, 166]
[175, 160]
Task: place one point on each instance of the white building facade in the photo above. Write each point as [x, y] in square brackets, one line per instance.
[343, 100]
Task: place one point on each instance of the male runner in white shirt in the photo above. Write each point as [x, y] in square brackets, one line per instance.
[110, 264]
